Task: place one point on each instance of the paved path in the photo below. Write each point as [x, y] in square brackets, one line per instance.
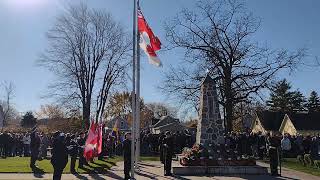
[154, 170]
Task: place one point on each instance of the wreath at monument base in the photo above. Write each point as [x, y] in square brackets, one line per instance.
[201, 156]
[247, 162]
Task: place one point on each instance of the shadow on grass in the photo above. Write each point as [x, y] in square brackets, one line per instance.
[97, 168]
[87, 171]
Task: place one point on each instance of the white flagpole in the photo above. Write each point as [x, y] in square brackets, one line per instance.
[138, 96]
[133, 128]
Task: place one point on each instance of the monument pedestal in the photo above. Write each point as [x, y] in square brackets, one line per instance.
[218, 170]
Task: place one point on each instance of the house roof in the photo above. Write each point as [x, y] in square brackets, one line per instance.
[118, 119]
[166, 125]
[165, 120]
[305, 121]
[270, 120]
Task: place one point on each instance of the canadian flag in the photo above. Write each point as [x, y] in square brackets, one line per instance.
[148, 41]
[91, 146]
[99, 142]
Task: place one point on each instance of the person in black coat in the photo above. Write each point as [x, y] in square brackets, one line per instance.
[127, 155]
[73, 149]
[168, 150]
[261, 146]
[161, 139]
[274, 143]
[59, 158]
[34, 146]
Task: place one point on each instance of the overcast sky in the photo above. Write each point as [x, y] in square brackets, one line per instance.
[289, 24]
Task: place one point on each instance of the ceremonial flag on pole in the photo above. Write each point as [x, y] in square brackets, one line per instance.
[149, 42]
[90, 149]
[99, 142]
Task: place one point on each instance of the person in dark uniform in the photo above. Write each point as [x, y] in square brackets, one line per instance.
[59, 158]
[34, 146]
[167, 153]
[274, 144]
[73, 151]
[261, 145]
[81, 142]
[127, 155]
[161, 138]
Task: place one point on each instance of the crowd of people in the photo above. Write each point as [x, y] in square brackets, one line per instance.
[256, 144]
[19, 144]
[60, 146]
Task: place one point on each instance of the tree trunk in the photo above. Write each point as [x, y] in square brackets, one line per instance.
[86, 116]
[229, 115]
[228, 100]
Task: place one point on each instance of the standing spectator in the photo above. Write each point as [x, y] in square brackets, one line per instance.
[168, 153]
[6, 146]
[59, 158]
[306, 143]
[109, 146]
[14, 146]
[81, 142]
[274, 144]
[299, 143]
[261, 145]
[314, 150]
[127, 156]
[161, 139]
[34, 145]
[285, 145]
[73, 151]
[1, 144]
[20, 145]
[44, 146]
[26, 144]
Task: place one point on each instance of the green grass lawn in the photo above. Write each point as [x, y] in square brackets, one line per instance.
[21, 165]
[293, 163]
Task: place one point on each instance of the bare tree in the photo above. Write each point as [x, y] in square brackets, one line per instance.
[51, 111]
[87, 51]
[8, 110]
[161, 109]
[217, 36]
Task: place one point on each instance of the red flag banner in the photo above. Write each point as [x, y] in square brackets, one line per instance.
[149, 43]
[90, 149]
[99, 142]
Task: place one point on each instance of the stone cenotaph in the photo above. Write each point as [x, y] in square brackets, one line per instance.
[210, 125]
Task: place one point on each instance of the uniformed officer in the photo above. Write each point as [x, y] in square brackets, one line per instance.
[127, 155]
[274, 144]
[73, 151]
[168, 153]
[81, 142]
[34, 145]
[59, 158]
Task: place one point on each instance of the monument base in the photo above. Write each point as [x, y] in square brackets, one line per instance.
[218, 170]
